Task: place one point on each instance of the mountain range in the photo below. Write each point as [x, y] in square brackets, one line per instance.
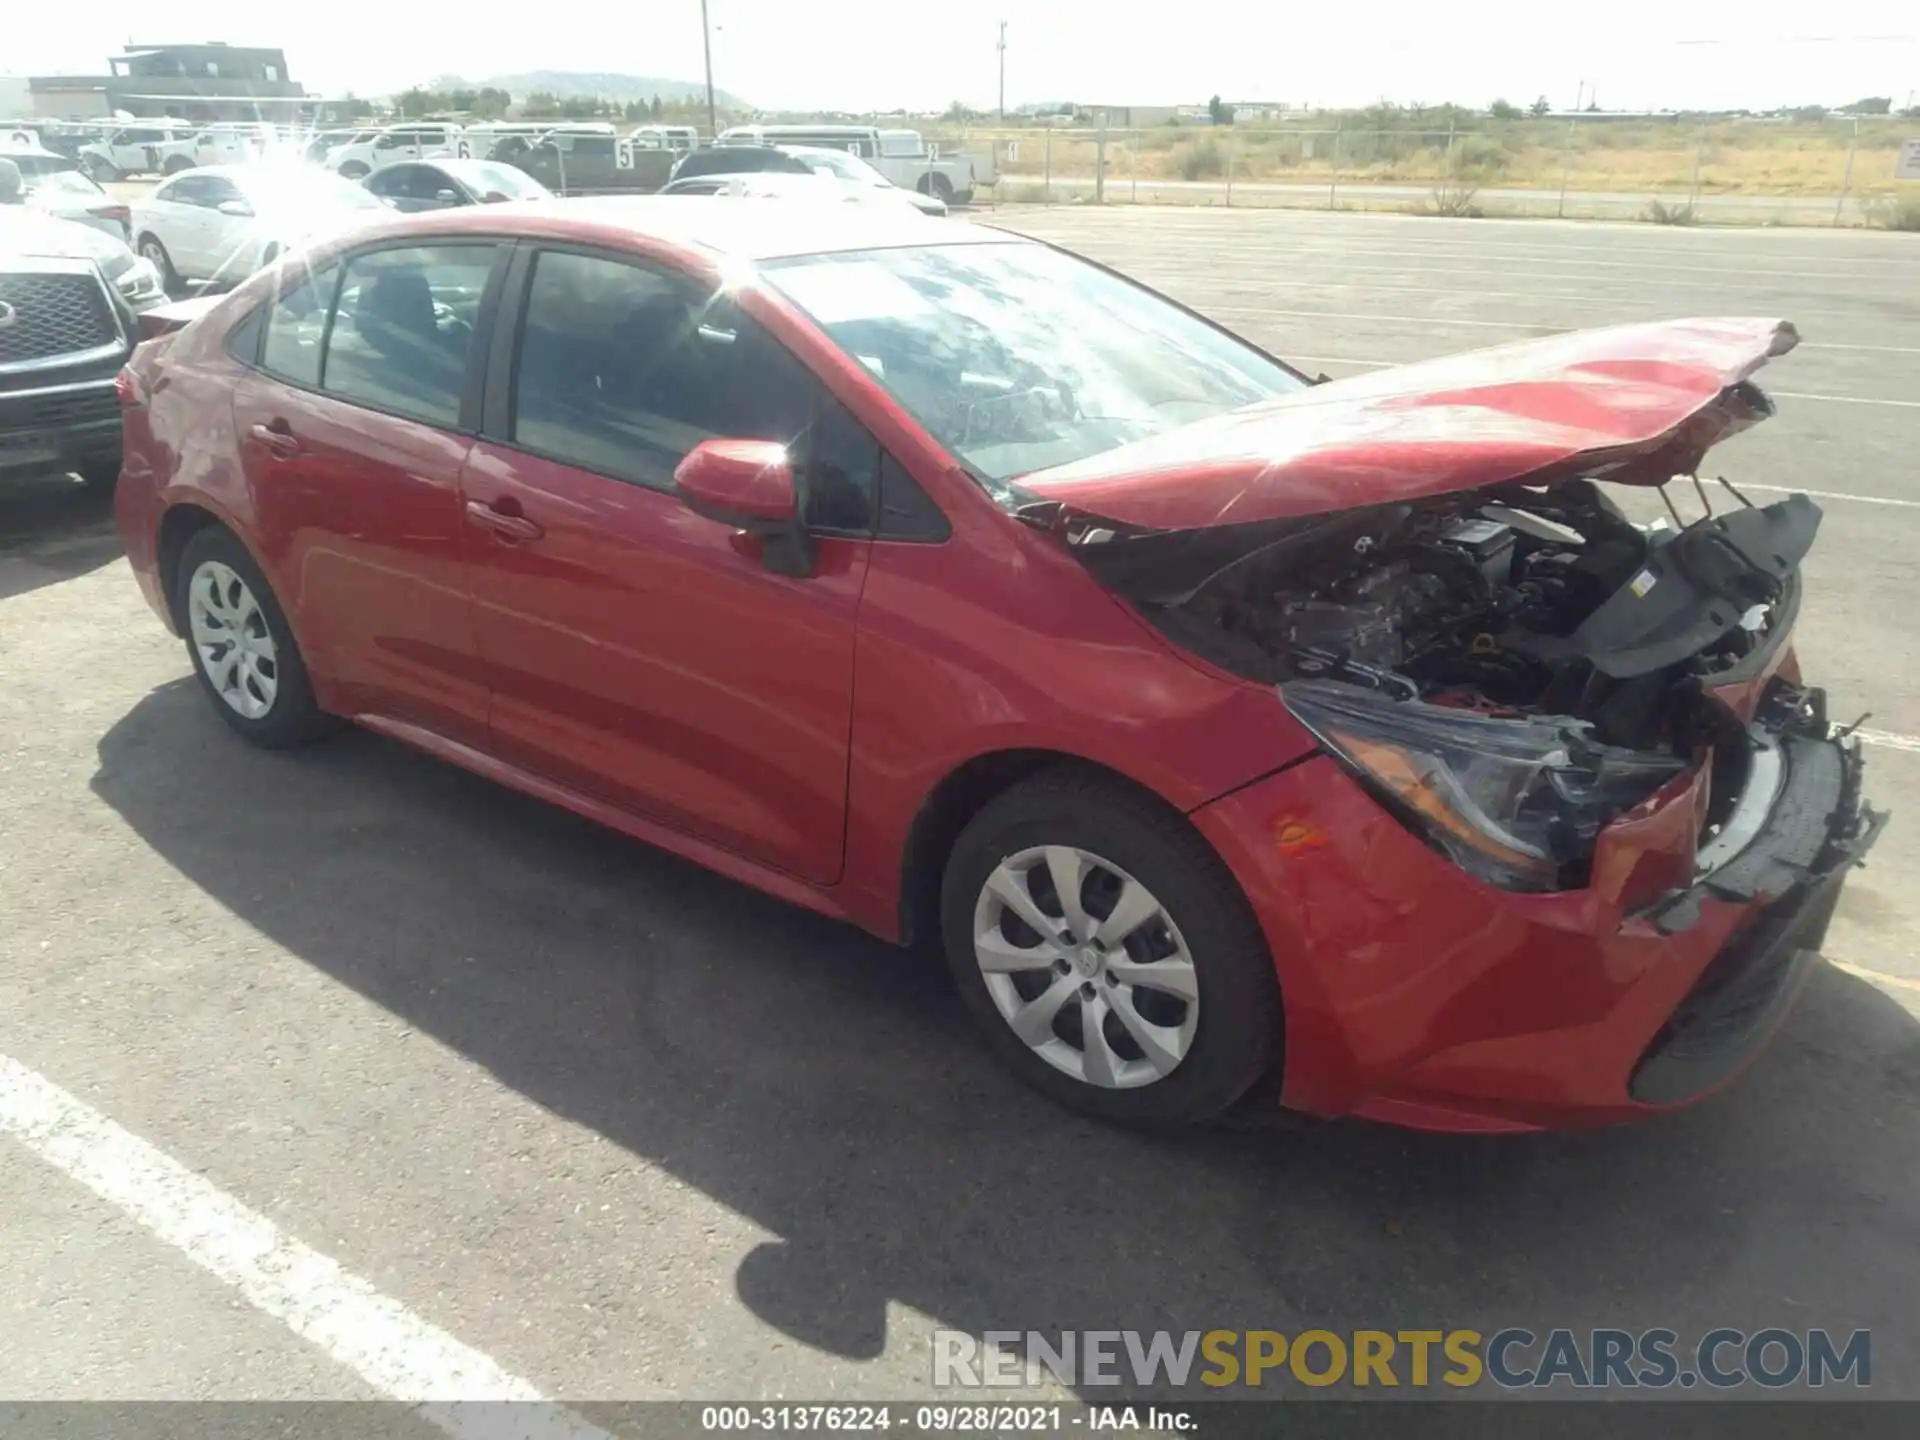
[594, 84]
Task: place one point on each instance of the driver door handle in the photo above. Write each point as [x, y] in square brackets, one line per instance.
[512, 527]
[278, 439]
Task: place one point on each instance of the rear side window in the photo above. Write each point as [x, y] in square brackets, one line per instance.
[297, 327]
[402, 328]
[623, 370]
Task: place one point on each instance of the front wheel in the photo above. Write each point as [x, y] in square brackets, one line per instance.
[175, 164]
[353, 170]
[241, 646]
[155, 254]
[1107, 953]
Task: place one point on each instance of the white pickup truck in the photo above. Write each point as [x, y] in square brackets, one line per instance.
[224, 143]
[132, 150]
[903, 156]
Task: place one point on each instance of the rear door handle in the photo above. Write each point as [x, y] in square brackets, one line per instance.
[278, 438]
[514, 527]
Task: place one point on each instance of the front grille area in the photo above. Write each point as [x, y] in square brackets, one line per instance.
[51, 315]
[59, 410]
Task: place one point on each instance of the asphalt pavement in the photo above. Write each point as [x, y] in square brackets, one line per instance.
[295, 1047]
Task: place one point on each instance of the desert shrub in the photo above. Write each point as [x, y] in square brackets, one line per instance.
[1658, 212]
[1454, 198]
[1480, 156]
[1206, 160]
[1894, 212]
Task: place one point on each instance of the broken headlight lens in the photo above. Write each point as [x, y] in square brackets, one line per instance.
[1516, 802]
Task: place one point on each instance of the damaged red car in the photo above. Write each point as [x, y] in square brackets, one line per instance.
[1218, 723]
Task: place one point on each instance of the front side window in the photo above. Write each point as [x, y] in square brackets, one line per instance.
[1017, 357]
[623, 370]
[402, 328]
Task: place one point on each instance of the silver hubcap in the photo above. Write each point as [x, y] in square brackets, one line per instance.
[1086, 966]
[230, 635]
[156, 257]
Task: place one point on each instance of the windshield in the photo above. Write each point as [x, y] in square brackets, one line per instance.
[847, 167]
[1017, 357]
[505, 179]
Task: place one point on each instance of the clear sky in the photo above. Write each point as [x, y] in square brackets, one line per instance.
[921, 54]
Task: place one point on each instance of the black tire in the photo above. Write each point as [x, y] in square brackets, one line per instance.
[937, 185]
[354, 170]
[155, 254]
[1236, 1033]
[294, 718]
[175, 164]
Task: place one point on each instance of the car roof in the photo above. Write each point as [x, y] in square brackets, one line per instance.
[725, 227]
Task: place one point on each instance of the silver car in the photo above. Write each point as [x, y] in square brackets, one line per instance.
[58, 186]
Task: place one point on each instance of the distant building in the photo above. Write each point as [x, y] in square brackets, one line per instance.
[192, 82]
[1129, 117]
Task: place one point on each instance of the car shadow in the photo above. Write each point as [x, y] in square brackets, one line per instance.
[52, 528]
[829, 1087]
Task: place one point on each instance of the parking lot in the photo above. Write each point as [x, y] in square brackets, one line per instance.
[621, 1129]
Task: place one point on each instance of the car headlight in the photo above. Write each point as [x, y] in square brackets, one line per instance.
[1517, 802]
[138, 281]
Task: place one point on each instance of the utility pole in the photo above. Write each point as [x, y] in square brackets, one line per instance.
[1003, 70]
[706, 45]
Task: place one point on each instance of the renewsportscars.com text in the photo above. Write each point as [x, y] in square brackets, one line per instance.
[1512, 1358]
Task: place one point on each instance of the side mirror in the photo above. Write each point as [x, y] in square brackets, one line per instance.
[239, 209]
[446, 197]
[748, 485]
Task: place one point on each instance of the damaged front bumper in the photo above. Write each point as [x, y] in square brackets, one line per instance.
[1418, 995]
[1817, 828]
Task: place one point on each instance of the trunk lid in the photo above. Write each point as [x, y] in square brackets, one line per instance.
[1635, 403]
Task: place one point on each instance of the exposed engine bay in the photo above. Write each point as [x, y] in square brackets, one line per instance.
[1517, 601]
[1508, 669]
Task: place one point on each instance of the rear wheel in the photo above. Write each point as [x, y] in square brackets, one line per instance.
[353, 170]
[1106, 952]
[241, 647]
[175, 164]
[937, 185]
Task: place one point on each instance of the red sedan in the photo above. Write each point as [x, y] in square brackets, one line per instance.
[1214, 719]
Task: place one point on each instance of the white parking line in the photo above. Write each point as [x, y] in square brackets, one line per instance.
[1889, 740]
[378, 1338]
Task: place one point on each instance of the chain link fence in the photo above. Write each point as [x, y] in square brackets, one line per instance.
[1837, 171]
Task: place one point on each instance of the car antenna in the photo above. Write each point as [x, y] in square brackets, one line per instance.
[1701, 491]
[1733, 492]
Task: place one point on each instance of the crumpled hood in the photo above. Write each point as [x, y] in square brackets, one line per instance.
[1638, 403]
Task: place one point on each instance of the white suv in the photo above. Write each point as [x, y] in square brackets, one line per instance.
[422, 140]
